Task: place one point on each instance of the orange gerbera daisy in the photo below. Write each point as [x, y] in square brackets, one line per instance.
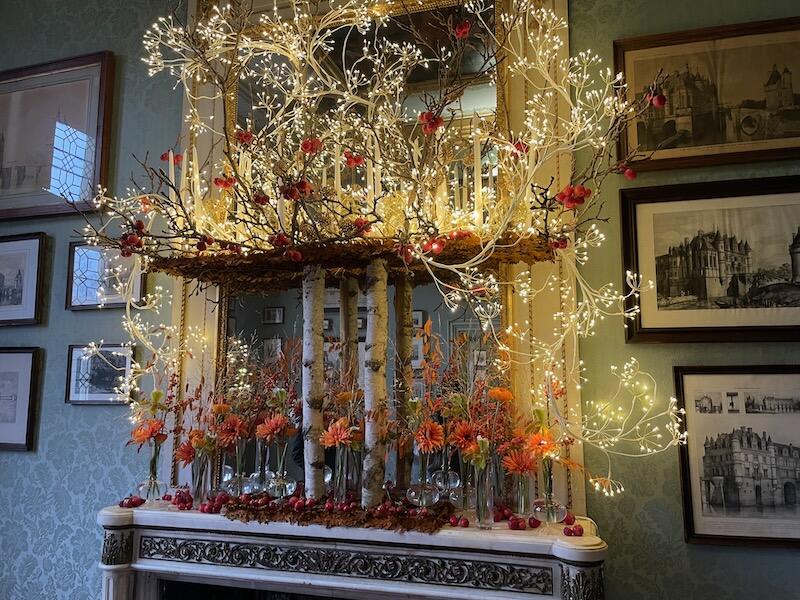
[232, 429]
[519, 462]
[272, 427]
[462, 435]
[337, 434]
[542, 443]
[185, 452]
[429, 436]
[220, 408]
[501, 394]
[197, 437]
[147, 430]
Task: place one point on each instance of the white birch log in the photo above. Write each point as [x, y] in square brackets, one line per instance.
[348, 328]
[313, 380]
[375, 393]
[403, 372]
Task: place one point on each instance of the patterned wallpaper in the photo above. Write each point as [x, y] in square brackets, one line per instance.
[648, 558]
[49, 541]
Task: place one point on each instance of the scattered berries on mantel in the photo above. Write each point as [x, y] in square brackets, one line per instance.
[517, 523]
[183, 499]
[576, 530]
[533, 522]
[131, 502]
[569, 519]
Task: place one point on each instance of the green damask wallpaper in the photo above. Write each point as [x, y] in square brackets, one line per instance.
[648, 558]
[49, 541]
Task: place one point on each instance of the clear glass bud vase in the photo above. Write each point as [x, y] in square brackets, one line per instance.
[340, 474]
[259, 480]
[281, 486]
[484, 495]
[422, 492]
[239, 483]
[201, 479]
[546, 508]
[523, 502]
[152, 488]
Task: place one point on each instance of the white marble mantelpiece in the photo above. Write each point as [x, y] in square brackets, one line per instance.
[146, 544]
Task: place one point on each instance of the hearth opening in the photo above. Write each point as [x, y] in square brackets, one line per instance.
[169, 589]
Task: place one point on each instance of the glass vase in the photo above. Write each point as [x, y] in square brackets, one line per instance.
[444, 478]
[201, 479]
[152, 488]
[259, 480]
[484, 495]
[239, 483]
[463, 497]
[523, 503]
[422, 492]
[546, 508]
[341, 473]
[281, 485]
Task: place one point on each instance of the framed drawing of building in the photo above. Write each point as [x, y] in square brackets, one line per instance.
[723, 258]
[732, 94]
[740, 468]
[96, 378]
[21, 278]
[19, 377]
[99, 277]
[55, 122]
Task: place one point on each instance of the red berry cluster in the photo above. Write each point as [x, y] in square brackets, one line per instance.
[245, 137]
[462, 30]
[280, 240]
[351, 160]
[176, 158]
[293, 191]
[434, 245]
[572, 528]
[215, 504]
[182, 499]
[362, 225]
[573, 196]
[460, 234]
[461, 521]
[406, 252]
[230, 246]
[520, 148]
[293, 255]
[261, 198]
[559, 243]
[388, 508]
[204, 242]
[132, 240]
[224, 183]
[430, 122]
[131, 502]
[657, 98]
[311, 145]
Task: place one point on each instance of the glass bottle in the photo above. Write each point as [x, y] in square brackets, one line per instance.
[484, 495]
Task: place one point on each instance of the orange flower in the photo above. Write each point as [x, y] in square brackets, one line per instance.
[185, 452]
[149, 429]
[462, 435]
[430, 436]
[337, 434]
[501, 394]
[233, 428]
[197, 437]
[343, 398]
[520, 462]
[220, 408]
[542, 443]
[272, 427]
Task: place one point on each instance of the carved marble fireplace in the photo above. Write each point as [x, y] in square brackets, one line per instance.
[142, 546]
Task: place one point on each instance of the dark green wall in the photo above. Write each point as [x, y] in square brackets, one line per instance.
[648, 559]
[49, 541]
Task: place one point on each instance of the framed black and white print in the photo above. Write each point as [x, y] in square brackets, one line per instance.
[98, 278]
[272, 315]
[729, 94]
[19, 375]
[21, 278]
[55, 132]
[723, 257]
[740, 467]
[327, 324]
[418, 319]
[93, 378]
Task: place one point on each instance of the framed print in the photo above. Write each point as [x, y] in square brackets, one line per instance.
[724, 259]
[418, 319]
[98, 276]
[272, 315]
[417, 352]
[54, 135]
[327, 324]
[272, 349]
[730, 94]
[361, 322]
[740, 468]
[94, 379]
[21, 278]
[19, 375]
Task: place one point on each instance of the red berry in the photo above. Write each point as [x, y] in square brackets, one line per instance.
[569, 519]
[629, 174]
[329, 506]
[498, 517]
[201, 245]
[521, 524]
[300, 505]
[568, 531]
[533, 522]
[577, 529]
[412, 512]
[139, 224]
[512, 523]
[463, 522]
[311, 502]
[352, 506]
[659, 101]
[423, 512]
[453, 520]
[507, 514]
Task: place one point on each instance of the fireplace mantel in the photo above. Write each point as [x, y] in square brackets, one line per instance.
[143, 545]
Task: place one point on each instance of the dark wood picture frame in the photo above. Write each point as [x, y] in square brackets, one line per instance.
[622, 46]
[36, 369]
[70, 280]
[67, 399]
[630, 198]
[105, 61]
[690, 534]
[39, 286]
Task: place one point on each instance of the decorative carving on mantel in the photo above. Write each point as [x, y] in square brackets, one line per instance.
[117, 547]
[581, 583]
[474, 574]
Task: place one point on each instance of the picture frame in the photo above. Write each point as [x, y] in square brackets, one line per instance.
[418, 319]
[272, 349]
[740, 465]
[361, 322]
[724, 258]
[91, 380]
[327, 324]
[64, 109]
[22, 278]
[19, 396]
[273, 315]
[417, 352]
[92, 269]
[742, 115]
